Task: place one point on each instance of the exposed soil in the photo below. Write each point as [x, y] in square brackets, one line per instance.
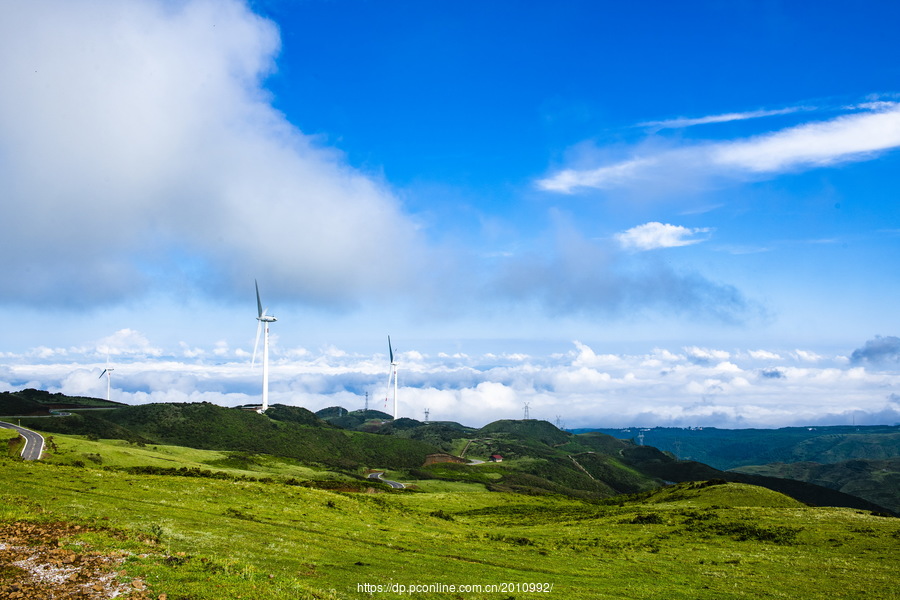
[35, 565]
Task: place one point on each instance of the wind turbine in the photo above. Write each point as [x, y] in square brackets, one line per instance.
[263, 318]
[107, 372]
[392, 374]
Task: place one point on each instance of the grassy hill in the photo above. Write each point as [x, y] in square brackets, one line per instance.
[859, 461]
[875, 480]
[204, 538]
[538, 458]
[299, 435]
[40, 403]
[650, 460]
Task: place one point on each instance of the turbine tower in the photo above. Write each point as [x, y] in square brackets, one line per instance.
[392, 375]
[263, 318]
[107, 372]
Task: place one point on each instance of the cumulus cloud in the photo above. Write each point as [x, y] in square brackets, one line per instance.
[879, 350]
[139, 142]
[846, 138]
[128, 342]
[140, 145]
[651, 236]
[705, 356]
[764, 355]
[806, 355]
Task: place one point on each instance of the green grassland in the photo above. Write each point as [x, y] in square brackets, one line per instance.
[874, 480]
[79, 451]
[11, 443]
[197, 538]
[538, 458]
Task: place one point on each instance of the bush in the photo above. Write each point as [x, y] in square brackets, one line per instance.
[646, 519]
[440, 514]
[743, 531]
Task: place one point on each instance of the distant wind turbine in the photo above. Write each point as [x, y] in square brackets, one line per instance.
[107, 371]
[392, 375]
[263, 318]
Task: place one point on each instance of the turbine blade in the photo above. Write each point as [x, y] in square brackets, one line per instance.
[256, 345]
[258, 301]
[391, 349]
[102, 374]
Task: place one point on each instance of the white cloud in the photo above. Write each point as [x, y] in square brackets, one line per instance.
[682, 122]
[847, 138]
[706, 355]
[806, 356]
[586, 357]
[651, 236]
[168, 163]
[127, 342]
[701, 386]
[608, 176]
[764, 355]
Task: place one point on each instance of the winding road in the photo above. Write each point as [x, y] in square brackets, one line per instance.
[394, 484]
[34, 442]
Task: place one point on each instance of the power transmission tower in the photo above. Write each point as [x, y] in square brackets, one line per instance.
[426, 414]
[526, 411]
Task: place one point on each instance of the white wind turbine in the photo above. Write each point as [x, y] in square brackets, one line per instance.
[263, 318]
[107, 371]
[392, 375]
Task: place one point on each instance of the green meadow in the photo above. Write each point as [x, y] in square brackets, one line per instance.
[79, 451]
[228, 536]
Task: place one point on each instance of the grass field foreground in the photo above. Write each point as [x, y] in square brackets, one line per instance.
[196, 538]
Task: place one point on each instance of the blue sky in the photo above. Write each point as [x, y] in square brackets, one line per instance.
[705, 185]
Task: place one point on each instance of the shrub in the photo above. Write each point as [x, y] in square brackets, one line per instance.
[742, 532]
[440, 514]
[646, 519]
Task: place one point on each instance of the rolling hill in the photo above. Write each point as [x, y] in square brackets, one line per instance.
[175, 534]
[31, 402]
[731, 448]
[875, 480]
[538, 458]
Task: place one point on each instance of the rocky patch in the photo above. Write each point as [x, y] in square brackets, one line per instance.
[35, 565]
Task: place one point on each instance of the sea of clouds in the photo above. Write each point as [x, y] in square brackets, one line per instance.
[686, 386]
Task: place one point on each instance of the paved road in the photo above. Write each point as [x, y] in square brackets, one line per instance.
[394, 484]
[34, 442]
